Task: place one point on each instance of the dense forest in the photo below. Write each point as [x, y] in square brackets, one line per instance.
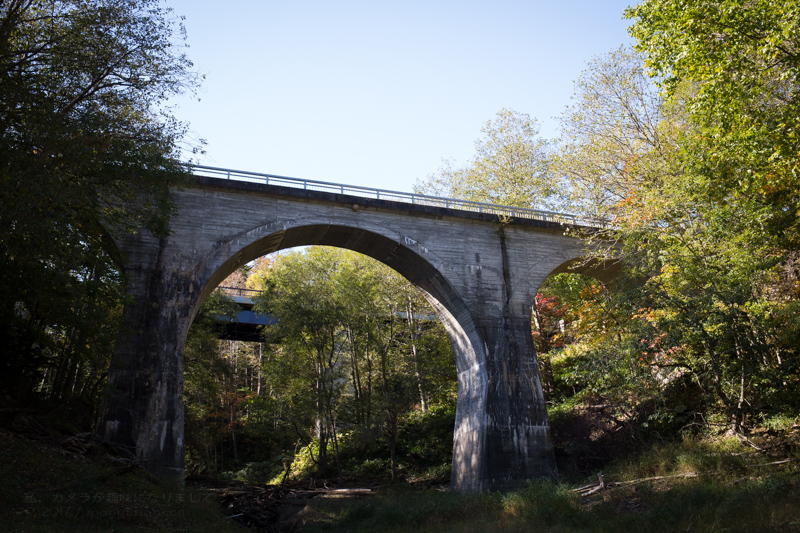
[688, 143]
[356, 373]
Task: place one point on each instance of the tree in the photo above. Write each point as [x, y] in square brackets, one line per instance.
[299, 293]
[87, 154]
[344, 332]
[725, 231]
[616, 136]
[742, 60]
[510, 167]
[705, 202]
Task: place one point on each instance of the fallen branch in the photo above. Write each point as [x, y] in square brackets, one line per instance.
[656, 478]
[744, 440]
[783, 462]
[585, 487]
[588, 490]
[592, 489]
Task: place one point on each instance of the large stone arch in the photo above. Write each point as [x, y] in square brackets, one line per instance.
[480, 273]
[454, 314]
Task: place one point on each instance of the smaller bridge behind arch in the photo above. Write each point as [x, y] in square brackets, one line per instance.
[247, 325]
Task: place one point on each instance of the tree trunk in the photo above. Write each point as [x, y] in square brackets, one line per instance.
[412, 327]
[355, 377]
[390, 411]
[260, 359]
[322, 436]
[393, 442]
[232, 402]
[368, 406]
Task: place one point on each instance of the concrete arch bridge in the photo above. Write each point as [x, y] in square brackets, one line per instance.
[479, 265]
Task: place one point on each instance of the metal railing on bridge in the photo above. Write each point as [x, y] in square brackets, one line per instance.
[239, 292]
[396, 196]
[248, 294]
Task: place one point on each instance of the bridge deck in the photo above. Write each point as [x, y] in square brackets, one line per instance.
[396, 196]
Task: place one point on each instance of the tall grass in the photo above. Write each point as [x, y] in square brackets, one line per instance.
[729, 494]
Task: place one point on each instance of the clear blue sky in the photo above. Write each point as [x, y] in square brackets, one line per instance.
[378, 93]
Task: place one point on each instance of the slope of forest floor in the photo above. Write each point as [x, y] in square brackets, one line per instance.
[58, 482]
[52, 481]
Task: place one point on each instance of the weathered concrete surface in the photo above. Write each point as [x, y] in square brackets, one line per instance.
[480, 275]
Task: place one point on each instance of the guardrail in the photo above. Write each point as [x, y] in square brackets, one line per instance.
[250, 293]
[236, 291]
[396, 196]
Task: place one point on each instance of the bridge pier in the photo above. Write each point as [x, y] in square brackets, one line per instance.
[142, 412]
[518, 442]
[502, 435]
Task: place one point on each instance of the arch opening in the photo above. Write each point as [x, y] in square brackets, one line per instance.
[387, 349]
[574, 337]
[400, 257]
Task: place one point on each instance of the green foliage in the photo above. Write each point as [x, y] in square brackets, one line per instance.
[426, 442]
[687, 455]
[617, 124]
[87, 155]
[351, 334]
[305, 462]
[399, 509]
[544, 502]
[727, 495]
[353, 370]
[423, 453]
[701, 180]
[259, 473]
[742, 59]
[510, 167]
[717, 238]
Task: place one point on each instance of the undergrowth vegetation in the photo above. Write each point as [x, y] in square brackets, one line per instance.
[57, 483]
[681, 486]
[424, 454]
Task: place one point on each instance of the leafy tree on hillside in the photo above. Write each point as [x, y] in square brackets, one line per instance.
[742, 61]
[510, 167]
[721, 235]
[707, 216]
[87, 154]
[617, 135]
